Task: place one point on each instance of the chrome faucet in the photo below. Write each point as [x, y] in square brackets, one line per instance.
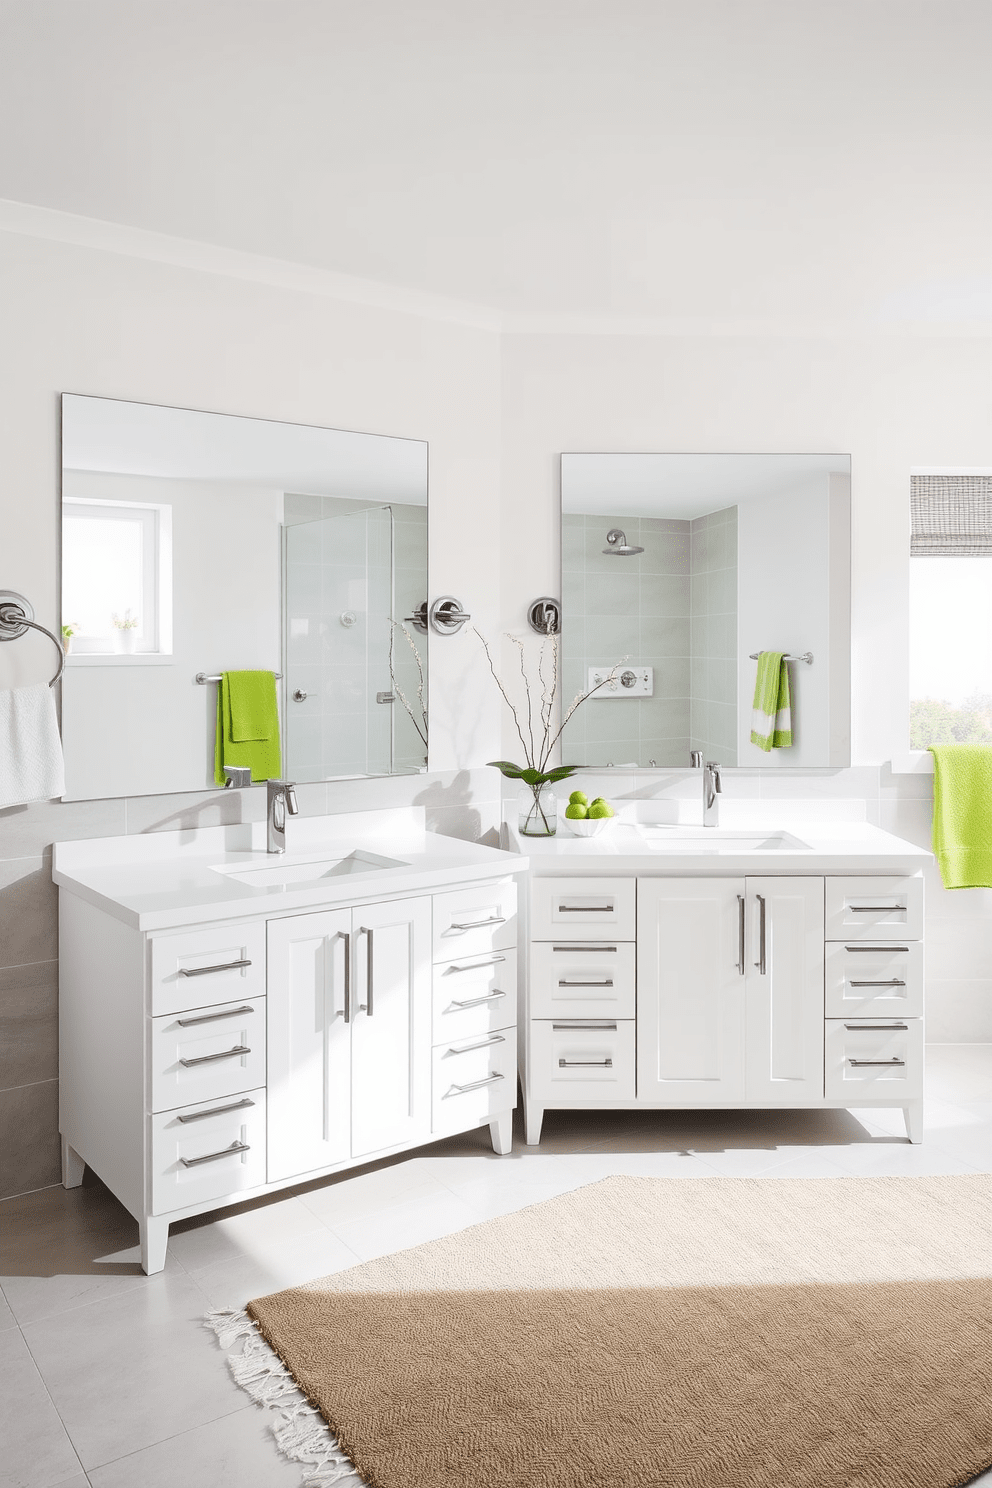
[280, 798]
[712, 788]
[696, 759]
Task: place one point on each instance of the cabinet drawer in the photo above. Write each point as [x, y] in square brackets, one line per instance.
[474, 997]
[201, 966]
[207, 1151]
[880, 1057]
[583, 908]
[874, 908]
[473, 1080]
[207, 1053]
[866, 978]
[573, 1060]
[582, 979]
[474, 921]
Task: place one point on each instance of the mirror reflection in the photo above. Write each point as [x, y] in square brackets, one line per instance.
[196, 544]
[689, 567]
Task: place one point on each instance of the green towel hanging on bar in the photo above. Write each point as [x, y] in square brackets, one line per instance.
[248, 725]
[962, 814]
[771, 721]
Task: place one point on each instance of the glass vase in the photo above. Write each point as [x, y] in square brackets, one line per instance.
[537, 811]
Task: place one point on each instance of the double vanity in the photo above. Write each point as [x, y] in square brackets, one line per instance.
[234, 1022]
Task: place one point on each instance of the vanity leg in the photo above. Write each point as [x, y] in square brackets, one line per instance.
[501, 1131]
[72, 1166]
[913, 1112]
[154, 1243]
[533, 1121]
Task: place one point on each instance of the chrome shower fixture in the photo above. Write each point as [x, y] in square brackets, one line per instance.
[618, 545]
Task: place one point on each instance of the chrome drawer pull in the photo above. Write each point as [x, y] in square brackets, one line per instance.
[471, 1002]
[585, 1064]
[606, 982]
[591, 948]
[188, 971]
[875, 908]
[192, 1162]
[877, 1027]
[475, 1085]
[476, 966]
[213, 1017]
[573, 1023]
[586, 908]
[888, 1063]
[234, 1053]
[478, 924]
[486, 1043]
[894, 982]
[215, 1111]
[876, 950]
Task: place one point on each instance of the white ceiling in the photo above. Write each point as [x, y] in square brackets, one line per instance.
[684, 486]
[738, 161]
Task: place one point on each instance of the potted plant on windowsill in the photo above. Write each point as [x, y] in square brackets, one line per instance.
[125, 632]
[68, 631]
[537, 804]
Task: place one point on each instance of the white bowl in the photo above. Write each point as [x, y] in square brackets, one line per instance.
[584, 827]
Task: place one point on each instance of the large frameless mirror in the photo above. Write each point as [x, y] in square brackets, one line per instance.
[195, 544]
[686, 567]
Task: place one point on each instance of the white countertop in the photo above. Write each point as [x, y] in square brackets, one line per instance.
[166, 879]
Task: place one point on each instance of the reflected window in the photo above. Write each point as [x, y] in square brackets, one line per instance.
[117, 576]
[950, 667]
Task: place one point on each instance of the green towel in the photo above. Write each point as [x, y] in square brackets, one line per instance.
[248, 725]
[962, 814]
[771, 721]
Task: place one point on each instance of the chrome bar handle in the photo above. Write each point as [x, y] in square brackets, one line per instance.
[346, 936]
[874, 908]
[740, 933]
[585, 1064]
[570, 1024]
[760, 963]
[494, 1038]
[888, 1063]
[893, 982]
[605, 982]
[586, 909]
[193, 1162]
[475, 1085]
[590, 949]
[471, 1002]
[366, 1007]
[213, 1017]
[476, 966]
[877, 1027]
[240, 1105]
[234, 1053]
[192, 971]
[876, 950]
[478, 924]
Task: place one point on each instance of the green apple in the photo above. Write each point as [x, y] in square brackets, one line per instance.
[578, 798]
[598, 801]
[577, 811]
[599, 809]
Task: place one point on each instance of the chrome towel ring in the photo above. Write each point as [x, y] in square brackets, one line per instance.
[17, 616]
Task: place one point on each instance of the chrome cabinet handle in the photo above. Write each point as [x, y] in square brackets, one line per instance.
[347, 974]
[213, 1017]
[475, 1085]
[573, 1023]
[476, 966]
[478, 924]
[740, 933]
[585, 1064]
[605, 982]
[877, 1027]
[591, 949]
[471, 1002]
[193, 1162]
[888, 1063]
[875, 949]
[486, 1043]
[586, 908]
[234, 1053]
[215, 1111]
[192, 971]
[366, 1007]
[760, 963]
[874, 908]
[893, 982]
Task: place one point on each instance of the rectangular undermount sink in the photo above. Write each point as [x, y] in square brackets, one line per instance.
[309, 870]
[717, 839]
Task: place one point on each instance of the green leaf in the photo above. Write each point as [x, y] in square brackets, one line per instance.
[561, 772]
[507, 768]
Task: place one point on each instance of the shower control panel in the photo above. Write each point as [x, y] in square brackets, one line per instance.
[627, 682]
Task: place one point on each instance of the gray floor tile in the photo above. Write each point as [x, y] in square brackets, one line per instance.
[37, 1452]
[235, 1452]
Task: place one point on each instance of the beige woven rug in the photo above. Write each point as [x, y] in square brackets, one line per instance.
[773, 1333]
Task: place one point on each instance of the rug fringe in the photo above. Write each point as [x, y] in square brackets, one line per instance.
[300, 1431]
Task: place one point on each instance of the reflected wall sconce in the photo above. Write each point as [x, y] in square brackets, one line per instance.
[447, 616]
[544, 615]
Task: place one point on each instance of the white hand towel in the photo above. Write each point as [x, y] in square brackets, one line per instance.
[31, 764]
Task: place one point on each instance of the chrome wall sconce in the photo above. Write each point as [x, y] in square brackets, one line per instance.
[419, 618]
[544, 615]
[447, 616]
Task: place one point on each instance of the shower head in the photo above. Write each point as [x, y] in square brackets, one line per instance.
[618, 545]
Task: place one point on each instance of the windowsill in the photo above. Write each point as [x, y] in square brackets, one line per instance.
[118, 658]
[913, 762]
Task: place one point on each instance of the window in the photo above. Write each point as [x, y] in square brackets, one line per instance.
[116, 567]
[950, 666]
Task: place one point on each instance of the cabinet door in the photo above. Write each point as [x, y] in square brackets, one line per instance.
[309, 1097]
[690, 992]
[391, 1037]
[785, 992]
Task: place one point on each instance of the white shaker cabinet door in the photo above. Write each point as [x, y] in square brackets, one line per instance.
[690, 991]
[309, 1042]
[391, 1035]
[784, 992]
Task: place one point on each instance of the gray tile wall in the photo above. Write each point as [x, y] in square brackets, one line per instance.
[713, 640]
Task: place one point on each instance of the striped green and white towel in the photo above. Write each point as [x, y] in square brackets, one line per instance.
[771, 721]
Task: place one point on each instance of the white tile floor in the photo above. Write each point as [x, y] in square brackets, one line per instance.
[108, 1379]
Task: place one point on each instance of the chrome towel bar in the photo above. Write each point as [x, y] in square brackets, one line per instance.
[807, 657]
[204, 677]
[17, 616]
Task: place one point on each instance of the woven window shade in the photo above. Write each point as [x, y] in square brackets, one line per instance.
[952, 516]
